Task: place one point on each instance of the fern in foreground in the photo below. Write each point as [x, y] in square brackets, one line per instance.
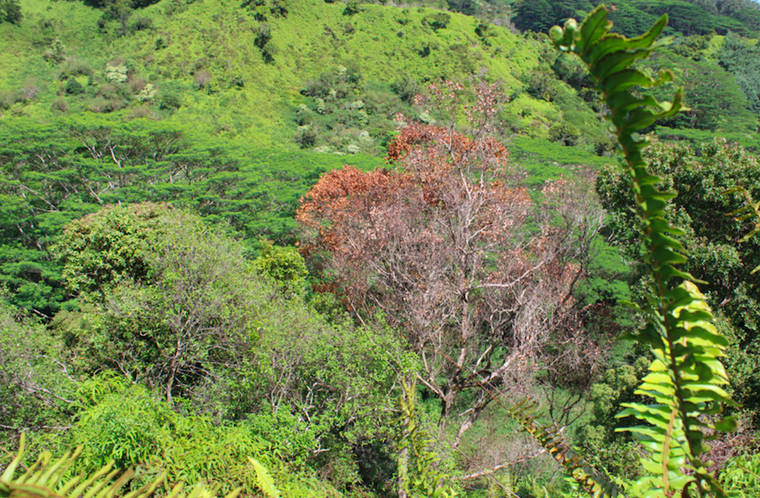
[53, 479]
[686, 379]
[427, 477]
[588, 479]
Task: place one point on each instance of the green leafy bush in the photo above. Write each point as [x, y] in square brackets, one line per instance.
[101, 250]
[34, 386]
[10, 11]
[123, 423]
[142, 23]
[610, 450]
[285, 266]
[741, 476]
[352, 8]
[169, 101]
[73, 87]
[437, 21]
[406, 88]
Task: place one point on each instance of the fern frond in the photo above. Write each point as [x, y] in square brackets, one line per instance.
[264, 480]
[51, 479]
[590, 480]
[428, 479]
[686, 378]
[750, 211]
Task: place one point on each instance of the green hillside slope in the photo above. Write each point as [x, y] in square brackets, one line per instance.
[229, 94]
[234, 75]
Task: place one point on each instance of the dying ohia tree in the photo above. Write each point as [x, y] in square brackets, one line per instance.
[448, 244]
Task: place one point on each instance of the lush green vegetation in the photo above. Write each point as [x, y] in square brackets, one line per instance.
[378, 249]
[632, 17]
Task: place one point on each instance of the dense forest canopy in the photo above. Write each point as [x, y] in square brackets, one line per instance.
[381, 248]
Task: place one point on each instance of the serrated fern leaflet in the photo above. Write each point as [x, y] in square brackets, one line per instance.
[51, 478]
[589, 479]
[686, 379]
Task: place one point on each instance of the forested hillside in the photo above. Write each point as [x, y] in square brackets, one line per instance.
[380, 248]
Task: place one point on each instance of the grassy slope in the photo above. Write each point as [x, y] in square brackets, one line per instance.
[254, 123]
[218, 36]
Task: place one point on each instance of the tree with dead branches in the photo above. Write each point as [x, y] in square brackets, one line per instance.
[449, 245]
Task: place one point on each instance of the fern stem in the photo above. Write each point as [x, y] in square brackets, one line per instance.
[686, 375]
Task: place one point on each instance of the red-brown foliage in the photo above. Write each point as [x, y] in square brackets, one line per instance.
[449, 245]
[338, 197]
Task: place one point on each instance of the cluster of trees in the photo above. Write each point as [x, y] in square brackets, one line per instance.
[720, 89]
[342, 115]
[452, 276]
[714, 96]
[717, 73]
[180, 351]
[166, 306]
[742, 59]
[51, 175]
[388, 351]
[120, 12]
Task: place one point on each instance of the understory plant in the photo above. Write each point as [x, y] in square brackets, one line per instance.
[685, 383]
[54, 479]
[749, 212]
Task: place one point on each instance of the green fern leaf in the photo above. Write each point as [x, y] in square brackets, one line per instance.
[686, 379]
[264, 480]
[48, 479]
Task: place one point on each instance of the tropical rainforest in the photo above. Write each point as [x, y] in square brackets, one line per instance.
[384, 248]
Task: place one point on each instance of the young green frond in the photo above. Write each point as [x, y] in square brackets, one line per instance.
[52, 479]
[686, 379]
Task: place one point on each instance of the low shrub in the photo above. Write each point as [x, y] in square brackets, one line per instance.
[306, 137]
[352, 7]
[73, 87]
[169, 101]
[202, 79]
[437, 21]
[59, 105]
[142, 23]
